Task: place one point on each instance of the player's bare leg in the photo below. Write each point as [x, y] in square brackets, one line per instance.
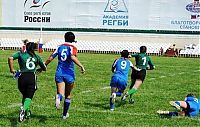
[60, 94]
[178, 104]
[132, 91]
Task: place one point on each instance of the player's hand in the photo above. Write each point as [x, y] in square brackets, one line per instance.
[82, 70]
[137, 69]
[13, 71]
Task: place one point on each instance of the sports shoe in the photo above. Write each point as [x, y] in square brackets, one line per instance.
[131, 100]
[21, 114]
[123, 99]
[27, 114]
[174, 104]
[65, 117]
[57, 103]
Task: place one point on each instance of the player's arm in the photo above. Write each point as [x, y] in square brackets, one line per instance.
[42, 64]
[11, 62]
[77, 62]
[49, 60]
[134, 67]
[151, 65]
[51, 57]
[113, 66]
[43, 67]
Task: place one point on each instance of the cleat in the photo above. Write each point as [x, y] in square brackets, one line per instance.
[112, 109]
[57, 103]
[113, 97]
[131, 100]
[27, 114]
[174, 104]
[65, 117]
[161, 112]
[21, 114]
[123, 99]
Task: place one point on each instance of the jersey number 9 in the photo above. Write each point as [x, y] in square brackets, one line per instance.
[123, 64]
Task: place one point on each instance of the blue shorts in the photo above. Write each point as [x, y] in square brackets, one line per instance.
[68, 79]
[121, 84]
[193, 108]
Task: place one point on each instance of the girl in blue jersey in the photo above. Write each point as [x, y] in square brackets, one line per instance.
[120, 68]
[189, 107]
[65, 76]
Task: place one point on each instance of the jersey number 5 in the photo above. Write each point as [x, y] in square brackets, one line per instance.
[63, 55]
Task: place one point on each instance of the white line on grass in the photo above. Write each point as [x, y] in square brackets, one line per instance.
[14, 105]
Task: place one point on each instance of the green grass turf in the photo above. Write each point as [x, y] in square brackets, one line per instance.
[172, 79]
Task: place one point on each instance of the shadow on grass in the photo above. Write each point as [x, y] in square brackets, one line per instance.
[11, 117]
[99, 105]
[105, 104]
[14, 119]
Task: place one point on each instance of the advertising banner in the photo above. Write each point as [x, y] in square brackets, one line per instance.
[180, 15]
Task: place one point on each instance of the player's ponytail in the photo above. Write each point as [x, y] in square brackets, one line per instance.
[31, 47]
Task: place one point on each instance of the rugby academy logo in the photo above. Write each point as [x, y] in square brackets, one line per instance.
[194, 8]
[115, 14]
[35, 3]
[116, 6]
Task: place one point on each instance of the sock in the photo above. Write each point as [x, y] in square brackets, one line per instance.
[171, 114]
[27, 103]
[66, 106]
[132, 91]
[60, 96]
[112, 105]
[118, 94]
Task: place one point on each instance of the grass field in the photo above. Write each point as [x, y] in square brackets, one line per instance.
[172, 79]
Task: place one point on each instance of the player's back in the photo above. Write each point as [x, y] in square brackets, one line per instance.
[122, 66]
[26, 62]
[65, 63]
[142, 60]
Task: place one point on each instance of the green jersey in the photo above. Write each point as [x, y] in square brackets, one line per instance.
[28, 63]
[142, 60]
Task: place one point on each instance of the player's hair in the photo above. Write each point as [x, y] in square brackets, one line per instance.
[143, 49]
[69, 37]
[31, 47]
[124, 53]
[25, 41]
[190, 95]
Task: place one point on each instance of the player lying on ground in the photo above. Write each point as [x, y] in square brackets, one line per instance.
[189, 107]
[118, 83]
[143, 62]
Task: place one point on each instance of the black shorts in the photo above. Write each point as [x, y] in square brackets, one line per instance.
[138, 74]
[27, 84]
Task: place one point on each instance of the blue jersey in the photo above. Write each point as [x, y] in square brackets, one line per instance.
[122, 66]
[65, 63]
[194, 104]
